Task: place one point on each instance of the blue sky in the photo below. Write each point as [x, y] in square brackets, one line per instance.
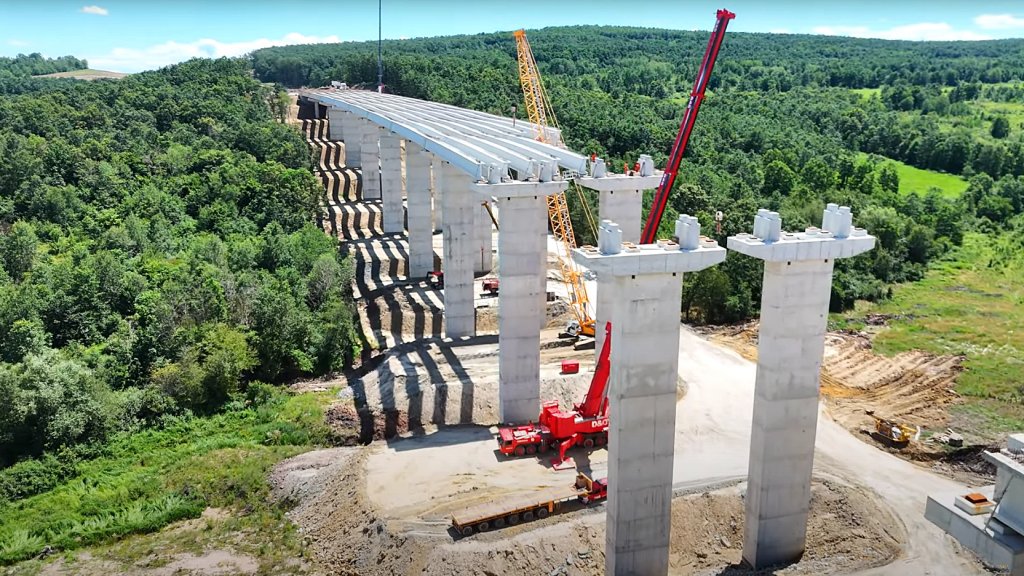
[132, 35]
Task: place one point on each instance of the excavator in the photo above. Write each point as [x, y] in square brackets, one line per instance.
[892, 432]
[586, 424]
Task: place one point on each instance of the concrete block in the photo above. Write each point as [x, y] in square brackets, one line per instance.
[392, 189]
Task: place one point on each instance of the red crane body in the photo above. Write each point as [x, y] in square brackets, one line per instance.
[586, 423]
[668, 178]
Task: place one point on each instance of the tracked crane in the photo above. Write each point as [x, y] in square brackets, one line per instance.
[542, 116]
[668, 178]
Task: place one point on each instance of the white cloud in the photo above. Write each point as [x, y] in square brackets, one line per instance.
[919, 31]
[135, 60]
[16, 42]
[999, 21]
[97, 10]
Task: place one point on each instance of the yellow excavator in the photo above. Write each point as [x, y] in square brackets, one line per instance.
[895, 432]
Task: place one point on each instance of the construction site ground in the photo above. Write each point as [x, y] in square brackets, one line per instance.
[425, 409]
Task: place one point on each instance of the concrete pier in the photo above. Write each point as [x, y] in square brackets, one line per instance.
[352, 126]
[438, 199]
[421, 249]
[620, 200]
[392, 183]
[460, 202]
[369, 153]
[335, 124]
[519, 312]
[794, 312]
[485, 250]
[645, 283]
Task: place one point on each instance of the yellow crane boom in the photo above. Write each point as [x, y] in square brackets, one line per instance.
[539, 111]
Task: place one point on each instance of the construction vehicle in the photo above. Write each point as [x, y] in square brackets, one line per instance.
[542, 115]
[894, 432]
[509, 511]
[668, 178]
[586, 424]
[490, 285]
[435, 279]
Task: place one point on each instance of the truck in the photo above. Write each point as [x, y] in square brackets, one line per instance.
[490, 285]
[525, 507]
[586, 424]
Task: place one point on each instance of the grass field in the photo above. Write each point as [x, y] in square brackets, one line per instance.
[147, 480]
[917, 180]
[965, 306]
[920, 181]
[867, 93]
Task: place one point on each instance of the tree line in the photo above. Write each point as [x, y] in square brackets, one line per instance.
[157, 255]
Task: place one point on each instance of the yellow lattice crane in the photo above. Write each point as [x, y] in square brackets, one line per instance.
[540, 113]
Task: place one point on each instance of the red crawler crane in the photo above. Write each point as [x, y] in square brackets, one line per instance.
[683, 137]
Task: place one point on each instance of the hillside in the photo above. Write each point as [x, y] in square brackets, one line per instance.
[85, 74]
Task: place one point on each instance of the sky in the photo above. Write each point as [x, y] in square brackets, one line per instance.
[134, 35]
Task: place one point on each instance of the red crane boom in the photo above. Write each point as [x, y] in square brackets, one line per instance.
[685, 127]
[596, 401]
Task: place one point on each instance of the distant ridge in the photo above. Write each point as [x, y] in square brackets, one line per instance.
[87, 74]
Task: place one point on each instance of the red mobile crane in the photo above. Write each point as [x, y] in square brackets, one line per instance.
[668, 178]
[586, 423]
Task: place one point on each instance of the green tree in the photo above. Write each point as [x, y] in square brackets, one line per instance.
[1000, 127]
[19, 249]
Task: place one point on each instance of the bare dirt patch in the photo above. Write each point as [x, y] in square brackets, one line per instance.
[916, 388]
[348, 533]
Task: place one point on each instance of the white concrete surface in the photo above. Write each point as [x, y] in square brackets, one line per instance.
[622, 207]
[421, 249]
[335, 124]
[645, 285]
[459, 245]
[369, 158]
[795, 297]
[352, 126]
[438, 191]
[392, 183]
[483, 226]
[521, 238]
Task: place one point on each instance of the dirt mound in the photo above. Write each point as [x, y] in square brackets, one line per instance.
[847, 531]
[912, 387]
[915, 387]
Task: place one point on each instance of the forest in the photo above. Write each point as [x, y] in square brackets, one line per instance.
[791, 122]
[160, 270]
[158, 257]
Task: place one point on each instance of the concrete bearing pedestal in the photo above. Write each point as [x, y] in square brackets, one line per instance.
[421, 248]
[645, 283]
[392, 183]
[794, 313]
[369, 153]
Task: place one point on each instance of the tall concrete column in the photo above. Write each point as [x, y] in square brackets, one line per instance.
[336, 124]
[459, 246]
[520, 240]
[485, 253]
[421, 249]
[794, 313]
[369, 153]
[438, 204]
[620, 200]
[391, 182]
[622, 207]
[645, 284]
[352, 126]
